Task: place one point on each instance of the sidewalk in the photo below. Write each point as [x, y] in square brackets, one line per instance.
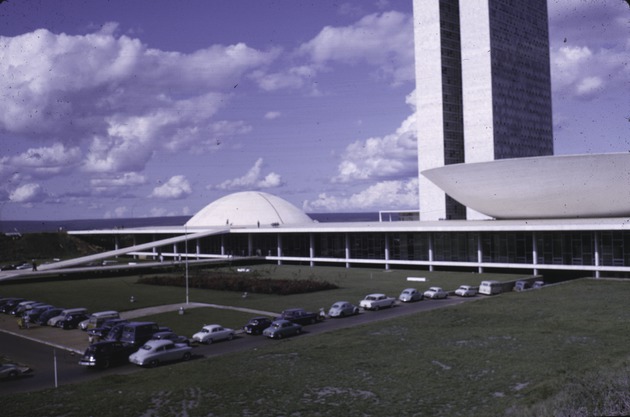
[76, 340]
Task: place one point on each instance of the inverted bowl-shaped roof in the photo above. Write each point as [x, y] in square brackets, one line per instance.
[249, 208]
[566, 186]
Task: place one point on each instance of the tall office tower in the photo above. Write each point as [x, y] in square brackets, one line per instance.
[483, 88]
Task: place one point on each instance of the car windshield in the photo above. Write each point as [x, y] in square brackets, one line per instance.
[205, 331]
[147, 347]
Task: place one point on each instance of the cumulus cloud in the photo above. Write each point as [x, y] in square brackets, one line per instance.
[175, 188]
[586, 64]
[383, 40]
[390, 156]
[401, 194]
[43, 162]
[253, 179]
[123, 98]
[28, 193]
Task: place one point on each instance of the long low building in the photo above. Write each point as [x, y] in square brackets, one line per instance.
[265, 226]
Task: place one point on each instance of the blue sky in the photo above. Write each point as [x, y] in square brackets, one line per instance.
[151, 108]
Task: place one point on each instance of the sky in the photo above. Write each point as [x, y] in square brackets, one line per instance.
[144, 108]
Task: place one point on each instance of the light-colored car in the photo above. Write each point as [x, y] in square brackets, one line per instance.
[466, 291]
[343, 309]
[12, 371]
[410, 294]
[376, 302]
[213, 333]
[282, 328]
[154, 352]
[435, 292]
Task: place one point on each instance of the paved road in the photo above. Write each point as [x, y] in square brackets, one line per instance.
[45, 348]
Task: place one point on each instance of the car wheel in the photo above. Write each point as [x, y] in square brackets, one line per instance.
[230, 337]
[298, 331]
[12, 374]
[209, 341]
[186, 356]
[153, 363]
[279, 336]
[376, 308]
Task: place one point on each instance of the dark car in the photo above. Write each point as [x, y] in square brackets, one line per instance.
[43, 318]
[257, 324]
[71, 321]
[102, 355]
[299, 316]
[100, 333]
[34, 313]
[10, 304]
[174, 337]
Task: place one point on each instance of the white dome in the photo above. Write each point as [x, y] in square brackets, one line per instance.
[249, 208]
[594, 185]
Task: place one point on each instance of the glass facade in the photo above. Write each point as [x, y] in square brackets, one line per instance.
[535, 250]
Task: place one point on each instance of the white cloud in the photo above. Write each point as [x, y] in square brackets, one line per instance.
[271, 115]
[390, 156]
[252, 179]
[123, 98]
[175, 188]
[123, 180]
[589, 48]
[384, 41]
[43, 162]
[401, 194]
[28, 193]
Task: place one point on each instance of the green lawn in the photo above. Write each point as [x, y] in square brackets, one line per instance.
[540, 352]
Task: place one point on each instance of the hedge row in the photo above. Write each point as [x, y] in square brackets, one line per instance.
[240, 283]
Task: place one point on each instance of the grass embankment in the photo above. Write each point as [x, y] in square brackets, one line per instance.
[539, 352]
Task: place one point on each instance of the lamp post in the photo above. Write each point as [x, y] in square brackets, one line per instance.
[186, 250]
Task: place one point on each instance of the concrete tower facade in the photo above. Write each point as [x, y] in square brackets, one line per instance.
[483, 88]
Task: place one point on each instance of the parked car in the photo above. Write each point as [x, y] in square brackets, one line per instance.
[12, 371]
[35, 312]
[435, 293]
[138, 332]
[299, 316]
[282, 328]
[376, 302]
[154, 352]
[72, 320]
[97, 319]
[343, 309]
[213, 333]
[256, 325]
[521, 285]
[172, 336]
[25, 306]
[10, 304]
[491, 287]
[102, 355]
[42, 320]
[52, 322]
[466, 291]
[409, 295]
[538, 284]
[100, 333]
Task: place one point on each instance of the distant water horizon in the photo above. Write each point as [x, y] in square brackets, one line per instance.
[39, 226]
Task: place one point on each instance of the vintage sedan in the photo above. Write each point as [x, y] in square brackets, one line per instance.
[299, 316]
[12, 371]
[282, 328]
[213, 333]
[409, 295]
[102, 355]
[154, 352]
[435, 293]
[172, 336]
[256, 325]
[466, 291]
[343, 309]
